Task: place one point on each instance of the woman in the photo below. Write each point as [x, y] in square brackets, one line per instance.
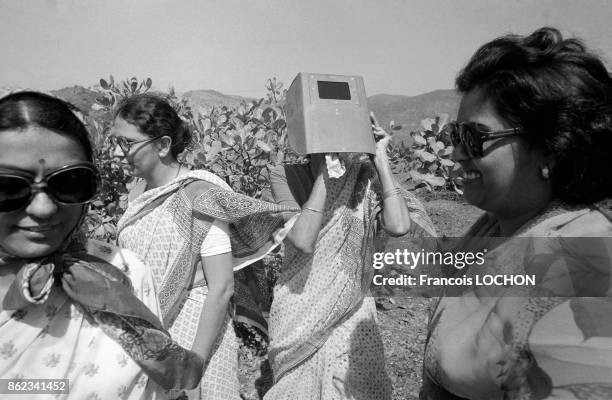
[533, 137]
[65, 313]
[325, 342]
[181, 226]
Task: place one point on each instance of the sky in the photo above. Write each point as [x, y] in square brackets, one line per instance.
[406, 47]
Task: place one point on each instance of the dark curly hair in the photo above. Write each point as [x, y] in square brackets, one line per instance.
[154, 116]
[560, 93]
[21, 110]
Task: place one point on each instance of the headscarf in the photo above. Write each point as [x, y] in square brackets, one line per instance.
[106, 296]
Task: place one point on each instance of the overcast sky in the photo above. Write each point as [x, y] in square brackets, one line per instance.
[400, 47]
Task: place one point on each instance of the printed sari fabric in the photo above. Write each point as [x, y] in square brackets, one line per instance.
[325, 341]
[166, 226]
[74, 333]
[551, 340]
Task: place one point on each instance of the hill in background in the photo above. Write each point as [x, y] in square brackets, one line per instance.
[199, 98]
[407, 111]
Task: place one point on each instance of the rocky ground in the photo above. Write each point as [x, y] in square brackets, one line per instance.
[402, 319]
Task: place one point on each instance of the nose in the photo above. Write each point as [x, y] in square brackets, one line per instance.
[459, 154]
[41, 206]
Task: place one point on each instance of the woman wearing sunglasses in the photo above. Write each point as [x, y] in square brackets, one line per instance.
[534, 138]
[66, 314]
[193, 231]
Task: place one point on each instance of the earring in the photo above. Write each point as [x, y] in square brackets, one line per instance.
[545, 172]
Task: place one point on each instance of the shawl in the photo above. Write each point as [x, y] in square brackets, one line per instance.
[553, 338]
[255, 226]
[318, 292]
[105, 295]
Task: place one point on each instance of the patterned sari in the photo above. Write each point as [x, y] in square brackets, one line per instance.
[73, 316]
[166, 226]
[325, 342]
[552, 340]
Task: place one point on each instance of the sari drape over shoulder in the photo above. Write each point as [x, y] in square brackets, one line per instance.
[325, 341]
[194, 201]
[552, 340]
[166, 227]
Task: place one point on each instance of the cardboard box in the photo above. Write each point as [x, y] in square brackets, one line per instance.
[328, 114]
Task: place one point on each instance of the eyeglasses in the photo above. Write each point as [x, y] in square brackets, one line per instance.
[126, 145]
[72, 184]
[473, 135]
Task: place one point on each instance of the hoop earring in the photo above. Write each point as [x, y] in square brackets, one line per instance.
[545, 172]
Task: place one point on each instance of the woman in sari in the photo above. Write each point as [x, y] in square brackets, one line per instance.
[192, 230]
[325, 342]
[534, 137]
[65, 311]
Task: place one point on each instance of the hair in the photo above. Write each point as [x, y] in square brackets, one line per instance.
[560, 94]
[22, 110]
[154, 117]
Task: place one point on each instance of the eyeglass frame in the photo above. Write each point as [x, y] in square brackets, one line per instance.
[485, 136]
[40, 186]
[119, 139]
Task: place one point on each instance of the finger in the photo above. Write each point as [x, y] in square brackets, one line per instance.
[379, 132]
[373, 119]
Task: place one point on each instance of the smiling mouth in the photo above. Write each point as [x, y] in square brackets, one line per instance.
[38, 229]
[470, 177]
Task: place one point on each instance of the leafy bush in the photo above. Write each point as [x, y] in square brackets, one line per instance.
[426, 162]
[239, 145]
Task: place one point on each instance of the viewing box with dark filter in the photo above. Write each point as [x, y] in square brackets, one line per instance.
[328, 114]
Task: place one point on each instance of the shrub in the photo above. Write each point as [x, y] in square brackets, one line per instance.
[426, 162]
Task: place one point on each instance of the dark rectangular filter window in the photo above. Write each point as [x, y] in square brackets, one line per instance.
[334, 90]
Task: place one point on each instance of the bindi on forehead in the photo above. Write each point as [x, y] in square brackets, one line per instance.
[23, 149]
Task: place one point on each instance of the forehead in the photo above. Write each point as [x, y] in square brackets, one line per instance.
[23, 148]
[124, 129]
[475, 107]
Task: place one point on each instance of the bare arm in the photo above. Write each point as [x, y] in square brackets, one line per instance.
[395, 218]
[220, 278]
[306, 229]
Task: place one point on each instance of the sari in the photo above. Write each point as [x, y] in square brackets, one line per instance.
[325, 341]
[88, 315]
[166, 227]
[551, 340]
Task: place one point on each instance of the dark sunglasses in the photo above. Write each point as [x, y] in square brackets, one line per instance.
[472, 136]
[126, 145]
[72, 184]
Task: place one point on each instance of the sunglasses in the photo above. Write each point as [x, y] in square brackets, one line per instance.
[72, 184]
[126, 145]
[472, 136]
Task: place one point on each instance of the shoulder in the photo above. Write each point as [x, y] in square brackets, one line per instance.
[584, 222]
[208, 177]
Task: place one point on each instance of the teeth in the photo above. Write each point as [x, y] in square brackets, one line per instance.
[39, 229]
[471, 175]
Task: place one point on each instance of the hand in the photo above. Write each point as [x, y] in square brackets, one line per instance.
[472, 348]
[382, 137]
